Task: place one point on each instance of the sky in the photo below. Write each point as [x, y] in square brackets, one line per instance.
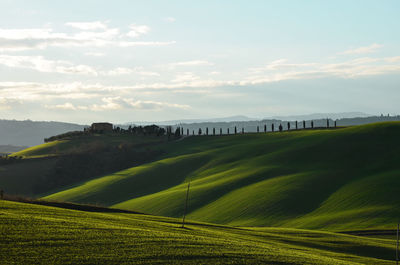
[122, 61]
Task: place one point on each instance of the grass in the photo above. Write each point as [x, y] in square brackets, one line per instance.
[87, 144]
[343, 179]
[36, 234]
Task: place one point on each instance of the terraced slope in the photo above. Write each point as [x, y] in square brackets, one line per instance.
[33, 234]
[339, 179]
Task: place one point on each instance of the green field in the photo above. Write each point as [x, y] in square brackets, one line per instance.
[33, 234]
[336, 180]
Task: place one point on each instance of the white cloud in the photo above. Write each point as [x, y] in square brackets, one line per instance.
[191, 63]
[394, 59]
[144, 43]
[87, 25]
[361, 50]
[118, 103]
[41, 64]
[95, 54]
[65, 106]
[41, 38]
[137, 30]
[127, 71]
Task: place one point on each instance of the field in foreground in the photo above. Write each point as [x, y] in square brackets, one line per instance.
[336, 180]
[34, 234]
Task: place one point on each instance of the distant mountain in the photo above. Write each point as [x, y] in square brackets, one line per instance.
[186, 121]
[29, 133]
[316, 116]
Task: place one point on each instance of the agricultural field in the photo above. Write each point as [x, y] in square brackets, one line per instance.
[337, 180]
[35, 234]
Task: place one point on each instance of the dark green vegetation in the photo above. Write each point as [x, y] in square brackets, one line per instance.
[34, 234]
[56, 165]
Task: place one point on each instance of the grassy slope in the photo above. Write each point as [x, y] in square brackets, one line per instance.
[33, 234]
[85, 144]
[340, 179]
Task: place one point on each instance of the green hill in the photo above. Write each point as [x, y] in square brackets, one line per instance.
[34, 234]
[338, 179]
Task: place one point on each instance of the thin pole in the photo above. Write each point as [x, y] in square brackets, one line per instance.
[186, 203]
[397, 246]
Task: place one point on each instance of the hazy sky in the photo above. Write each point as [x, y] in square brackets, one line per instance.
[120, 61]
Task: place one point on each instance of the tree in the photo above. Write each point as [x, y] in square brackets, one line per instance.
[265, 128]
[187, 132]
[199, 131]
[206, 130]
[288, 126]
[327, 123]
[258, 129]
[280, 127]
[242, 130]
[220, 131]
[335, 124]
[213, 131]
[312, 124]
[235, 130]
[272, 127]
[296, 125]
[227, 130]
[304, 124]
[177, 132]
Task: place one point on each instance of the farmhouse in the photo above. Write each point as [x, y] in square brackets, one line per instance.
[101, 127]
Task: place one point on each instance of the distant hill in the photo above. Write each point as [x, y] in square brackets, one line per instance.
[318, 116]
[335, 179]
[30, 133]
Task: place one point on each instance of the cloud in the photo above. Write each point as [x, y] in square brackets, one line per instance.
[65, 106]
[118, 103]
[87, 25]
[127, 71]
[7, 104]
[41, 64]
[137, 30]
[361, 50]
[41, 38]
[191, 63]
[95, 54]
[144, 43]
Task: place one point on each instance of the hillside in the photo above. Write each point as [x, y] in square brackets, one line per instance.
[339, 179]
[56, 165]
[34, 234]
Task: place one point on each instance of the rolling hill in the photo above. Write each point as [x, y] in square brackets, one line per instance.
[338, 179]
[35, 234]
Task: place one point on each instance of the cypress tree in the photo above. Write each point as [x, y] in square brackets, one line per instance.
[288, 126]
[206, 130]
[258, 129]
[235, 130]
[200, 131]
[220, 131]
[272, 127]
[327, 123]
[227, 130]
[280, 128]
[296, 125]
[304, 124]
[265, 128]
[187, 132]
[213, 131]
[312, 124]
[242, 130]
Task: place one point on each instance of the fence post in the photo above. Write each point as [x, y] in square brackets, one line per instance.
[186, 203]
